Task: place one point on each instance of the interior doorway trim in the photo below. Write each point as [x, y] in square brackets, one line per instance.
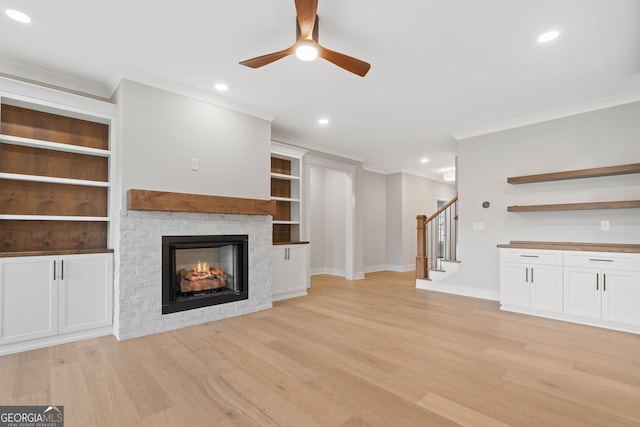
[350, 217]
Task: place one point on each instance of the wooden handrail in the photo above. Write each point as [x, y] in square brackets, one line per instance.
[442, 209]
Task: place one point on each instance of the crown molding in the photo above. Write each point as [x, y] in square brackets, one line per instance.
[573, 110]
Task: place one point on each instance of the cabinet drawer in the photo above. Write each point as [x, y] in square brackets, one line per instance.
[531, 256]
[609, 260]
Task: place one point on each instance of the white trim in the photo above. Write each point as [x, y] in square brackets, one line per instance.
[54, 340]
[56, 146]
[284, 176]
[573, 110]
[278, 148]
[350, 214]
[54, 218]
[52, 180]
[193, 92]
[464, 291]
[284, 199]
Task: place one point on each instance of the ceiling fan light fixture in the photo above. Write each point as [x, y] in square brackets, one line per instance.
[306, 50]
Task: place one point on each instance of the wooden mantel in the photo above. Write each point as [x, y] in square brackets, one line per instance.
[148, 200]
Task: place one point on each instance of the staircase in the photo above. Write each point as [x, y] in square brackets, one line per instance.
[437, 255]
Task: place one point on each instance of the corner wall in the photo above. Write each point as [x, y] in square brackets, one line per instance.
[601, 138]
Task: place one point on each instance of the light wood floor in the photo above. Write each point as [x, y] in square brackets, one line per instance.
[375, 352]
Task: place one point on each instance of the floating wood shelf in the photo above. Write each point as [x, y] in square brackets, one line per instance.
[627, 204]
[576, 174]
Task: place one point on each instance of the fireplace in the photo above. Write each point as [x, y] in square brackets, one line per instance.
[199, 271]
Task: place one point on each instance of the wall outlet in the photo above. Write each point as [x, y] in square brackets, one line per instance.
[604, 225]
[195, 164]
[479, 226]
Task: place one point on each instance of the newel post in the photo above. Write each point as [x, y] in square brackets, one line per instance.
[422, 270]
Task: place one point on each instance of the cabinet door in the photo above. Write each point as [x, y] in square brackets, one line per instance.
[28, 298]
[582, 292]
[545, 282]
[514, 287]
[297, 268]
[86, 292]
[621, 296]
[278, 270]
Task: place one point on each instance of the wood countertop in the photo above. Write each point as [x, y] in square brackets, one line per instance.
[573, 246]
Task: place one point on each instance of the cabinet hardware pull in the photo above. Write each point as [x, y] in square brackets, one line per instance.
[54, 269]
[531, 274]
[530, 256]
[597, 281]
[62, 270]
[604, 282]
[526, 275]
[600, 260]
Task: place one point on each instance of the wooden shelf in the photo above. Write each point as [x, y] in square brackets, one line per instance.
[576, 174]
[54, 218]
[284, 199]
[52, 180]
[627, 204]
[283, 176]
[56, 146]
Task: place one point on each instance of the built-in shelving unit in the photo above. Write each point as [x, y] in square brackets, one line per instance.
[576, 174]
[54, 180]
[286, 191]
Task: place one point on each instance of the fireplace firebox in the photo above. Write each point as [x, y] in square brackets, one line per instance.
[199, 271]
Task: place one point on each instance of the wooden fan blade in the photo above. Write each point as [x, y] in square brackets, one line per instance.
[263, 60]
[347, 62]
[306, 11]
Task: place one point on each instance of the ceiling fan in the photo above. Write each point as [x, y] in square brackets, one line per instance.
[307, 47]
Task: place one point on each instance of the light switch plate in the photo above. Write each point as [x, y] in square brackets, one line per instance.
[195, 164]
[479, 226]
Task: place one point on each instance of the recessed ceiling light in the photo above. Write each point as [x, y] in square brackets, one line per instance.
[424, 160]
[16, 15]
[221, 87]
[548, 36]
[323, 121]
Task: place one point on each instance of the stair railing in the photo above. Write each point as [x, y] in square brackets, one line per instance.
[437, 238]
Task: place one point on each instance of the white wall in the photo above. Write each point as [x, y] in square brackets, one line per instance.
[601, 138]
[407, 197]
[162, 131]
[327, 214]
[374, 205]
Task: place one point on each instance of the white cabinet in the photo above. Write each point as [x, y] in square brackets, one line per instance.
[28, 298]
[45, 296]
[593, 288]
[85, 298]
[531, 279]
[290, 270]
[603, 286]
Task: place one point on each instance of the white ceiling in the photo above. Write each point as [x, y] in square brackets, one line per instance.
[439, 68]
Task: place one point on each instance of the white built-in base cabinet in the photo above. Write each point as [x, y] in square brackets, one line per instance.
[594, 288]
[290, 270]
[45, 300]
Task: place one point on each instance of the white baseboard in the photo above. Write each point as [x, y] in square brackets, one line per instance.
[55, 340]
[465, 291]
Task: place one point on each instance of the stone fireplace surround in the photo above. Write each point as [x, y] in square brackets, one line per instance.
[151, 215]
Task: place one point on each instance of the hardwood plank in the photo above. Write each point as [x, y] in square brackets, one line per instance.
[147, 200]
[376, 352]
[575, 174]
